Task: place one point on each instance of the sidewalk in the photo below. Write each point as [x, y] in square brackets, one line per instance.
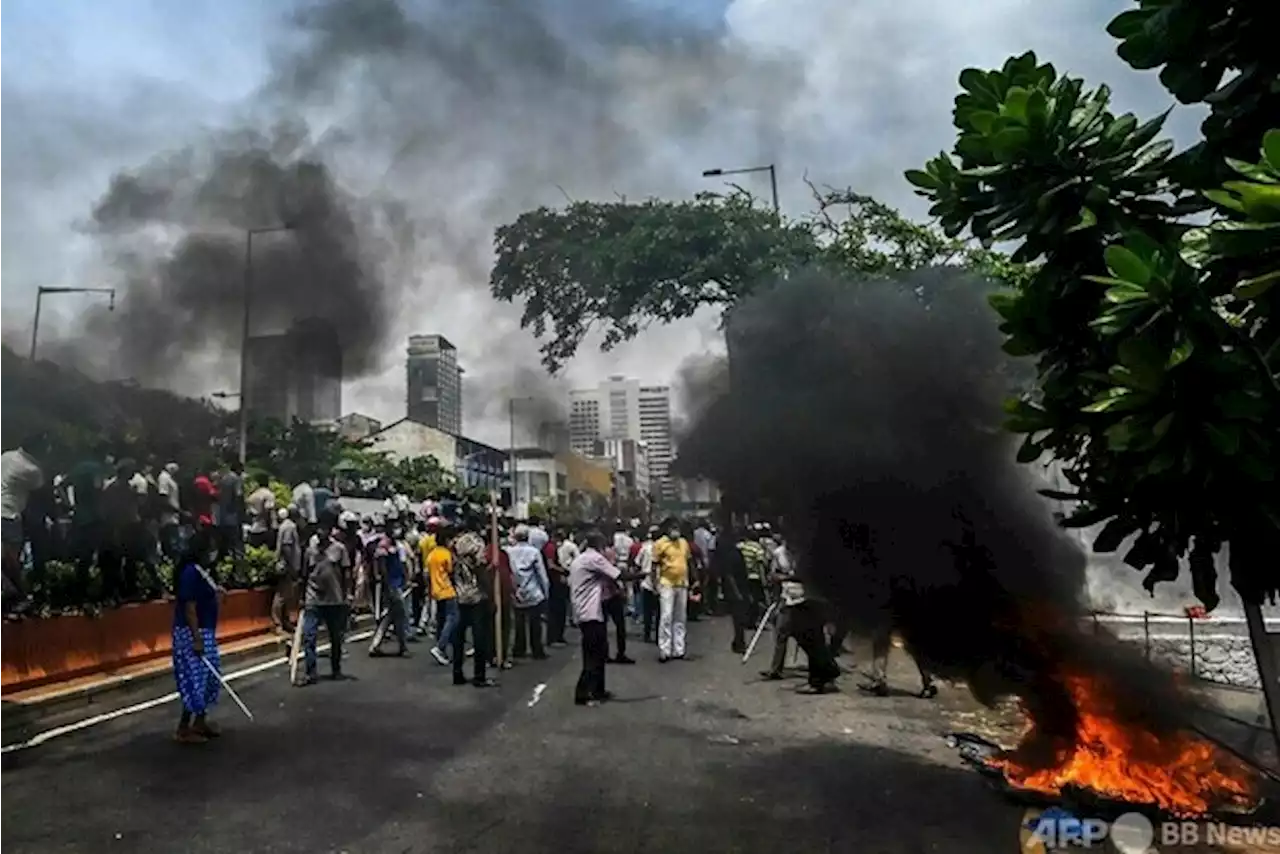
[26, 713]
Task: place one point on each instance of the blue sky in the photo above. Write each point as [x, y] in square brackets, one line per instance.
[847, 92]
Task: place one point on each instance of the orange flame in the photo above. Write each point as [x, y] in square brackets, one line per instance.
[1179, 772]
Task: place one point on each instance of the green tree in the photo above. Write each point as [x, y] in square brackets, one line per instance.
[1154, 339]
[621, 266]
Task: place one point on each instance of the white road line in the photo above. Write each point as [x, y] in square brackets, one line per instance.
[56, 732]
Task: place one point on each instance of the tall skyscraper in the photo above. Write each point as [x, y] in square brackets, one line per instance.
[621, 408]
[297, 374]
[434, 383]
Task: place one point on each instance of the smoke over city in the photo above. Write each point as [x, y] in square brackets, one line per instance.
[869, 421]
[394, 137]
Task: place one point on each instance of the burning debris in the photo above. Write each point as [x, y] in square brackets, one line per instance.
[899, 492]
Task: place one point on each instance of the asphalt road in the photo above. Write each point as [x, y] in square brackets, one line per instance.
[693, 756]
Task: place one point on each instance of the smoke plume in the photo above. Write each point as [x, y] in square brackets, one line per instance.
[399, 135]
[866, 415]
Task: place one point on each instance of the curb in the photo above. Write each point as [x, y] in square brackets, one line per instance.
[23, 720]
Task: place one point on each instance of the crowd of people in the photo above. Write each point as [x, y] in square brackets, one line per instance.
[495, 591]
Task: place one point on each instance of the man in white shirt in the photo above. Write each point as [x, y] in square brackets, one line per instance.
[170, 509]
[649, 603]
[20, 475]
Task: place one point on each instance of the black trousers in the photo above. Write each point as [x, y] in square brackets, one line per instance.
[529, 631]
[737, 596]
[807, 623]
[615, 610]
[474, 616]
[557, 611]
[651, 606]
[595, 652]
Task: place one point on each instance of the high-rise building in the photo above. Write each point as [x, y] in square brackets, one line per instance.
[621, 408]
[296, 374]
[434, 383]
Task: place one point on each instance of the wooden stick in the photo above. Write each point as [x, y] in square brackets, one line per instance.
[498, 651]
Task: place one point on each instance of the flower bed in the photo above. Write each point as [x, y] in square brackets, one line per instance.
[40, 651]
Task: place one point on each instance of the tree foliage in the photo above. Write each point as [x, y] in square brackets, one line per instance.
[620, 266]
[1155, 337]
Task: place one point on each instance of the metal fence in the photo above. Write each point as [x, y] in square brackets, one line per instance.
[1213, 649]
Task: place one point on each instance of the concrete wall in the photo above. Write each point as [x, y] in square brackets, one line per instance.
[407, 439]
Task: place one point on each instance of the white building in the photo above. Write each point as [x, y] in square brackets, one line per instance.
[621, 408]
[540, 476]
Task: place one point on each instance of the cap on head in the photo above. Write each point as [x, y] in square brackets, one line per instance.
[521, 533]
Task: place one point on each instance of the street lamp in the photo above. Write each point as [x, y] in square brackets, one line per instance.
[41, 291]
[773, 179]
[244, 333]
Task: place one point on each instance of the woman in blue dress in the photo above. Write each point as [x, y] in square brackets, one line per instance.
[195, 644]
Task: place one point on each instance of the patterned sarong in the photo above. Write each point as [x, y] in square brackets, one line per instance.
[198, 687]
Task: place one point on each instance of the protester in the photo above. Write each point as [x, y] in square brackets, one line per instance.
[440, 571]
[170, 509]
[261, 504]
[304, 498]
[530, 593]
[328, 565]
[590, 576]
[672, 556]
[388, 572]
[878, 683]
[805, 619]
[20, 476]
[195, 640]
[230, 517]
[119, 550]
[538, 535]
[501, 612]
[288, 568]
[649, 606]
[704, 546]
[730, 565]
[558, 573]
[473, 585]
[615, 598]
[791, 595]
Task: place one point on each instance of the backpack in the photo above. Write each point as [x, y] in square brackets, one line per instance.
[468, 554]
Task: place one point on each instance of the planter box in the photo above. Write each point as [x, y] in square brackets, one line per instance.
[38, 652]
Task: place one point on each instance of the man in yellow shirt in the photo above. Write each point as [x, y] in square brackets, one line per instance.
[671, 557]
[440, 575]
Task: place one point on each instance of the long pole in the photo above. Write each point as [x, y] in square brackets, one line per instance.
[515, 489]
[499, 653]
[773, 185]
[35, 326]
[244, 347]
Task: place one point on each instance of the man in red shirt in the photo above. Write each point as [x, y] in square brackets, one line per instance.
[500, 643]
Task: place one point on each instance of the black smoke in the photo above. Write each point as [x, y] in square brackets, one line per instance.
[866, 415]
[177, 230]
[414, 128]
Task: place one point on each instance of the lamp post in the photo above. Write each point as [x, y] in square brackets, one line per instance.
[41, 291]
[244, 332]
[773, 179]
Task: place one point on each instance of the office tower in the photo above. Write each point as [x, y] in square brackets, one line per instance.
[296, 374]
[621, 408]
[434, 383]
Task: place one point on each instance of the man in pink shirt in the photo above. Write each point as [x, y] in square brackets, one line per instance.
[592, 578]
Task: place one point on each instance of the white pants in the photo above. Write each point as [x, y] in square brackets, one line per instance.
[673, 605]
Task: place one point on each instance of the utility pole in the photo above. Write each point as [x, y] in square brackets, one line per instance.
[41, 291]
[515, 490]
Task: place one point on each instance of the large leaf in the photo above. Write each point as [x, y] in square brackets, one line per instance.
[1124, 264]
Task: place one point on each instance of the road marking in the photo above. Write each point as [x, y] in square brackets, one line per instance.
[56, 732]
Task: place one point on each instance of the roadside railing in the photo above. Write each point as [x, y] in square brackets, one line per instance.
[1212, 649]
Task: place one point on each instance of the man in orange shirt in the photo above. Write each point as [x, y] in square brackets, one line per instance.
[440, 573]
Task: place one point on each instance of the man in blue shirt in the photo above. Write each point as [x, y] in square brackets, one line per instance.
[389, 571]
